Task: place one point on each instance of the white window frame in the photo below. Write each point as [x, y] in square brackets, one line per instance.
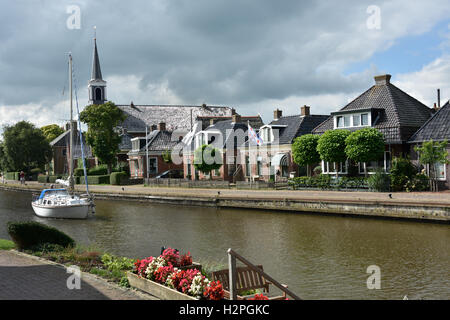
[326, 167]
[385, 162]
[350, 120]
[156, 165]
[445, 171]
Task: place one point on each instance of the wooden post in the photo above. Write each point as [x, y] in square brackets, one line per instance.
[232, 275]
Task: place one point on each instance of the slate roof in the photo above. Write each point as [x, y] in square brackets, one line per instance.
[395, 113]
[63, 141]
[176, 117]
[297, 125]
[157, 141]
[225, 126]
[437, 128]
[255, 121]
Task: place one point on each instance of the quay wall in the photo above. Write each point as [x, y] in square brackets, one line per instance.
[345, 207]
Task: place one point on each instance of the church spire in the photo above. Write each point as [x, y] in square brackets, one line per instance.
[97, 86]
[96, 71]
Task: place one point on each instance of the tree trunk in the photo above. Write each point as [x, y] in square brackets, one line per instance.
[307, 170]
[365, 169]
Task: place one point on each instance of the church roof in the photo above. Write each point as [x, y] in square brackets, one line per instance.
[176, 117]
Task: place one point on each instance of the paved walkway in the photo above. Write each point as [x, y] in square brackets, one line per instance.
[430, 198]
[29, 278]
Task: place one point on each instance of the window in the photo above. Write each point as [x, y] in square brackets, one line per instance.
[259, 168]
[365, 119]
[440, 171]
[247, 166]
[372, 166]
[353, 120]
[330, 167]
[152, 165]
[189, 173]
[98, 94]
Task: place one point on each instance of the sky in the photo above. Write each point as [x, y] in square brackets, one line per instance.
[253, 55]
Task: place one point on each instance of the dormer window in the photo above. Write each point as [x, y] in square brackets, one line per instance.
[352, 120]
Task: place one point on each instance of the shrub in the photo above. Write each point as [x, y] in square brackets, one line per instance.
[96, 179]
[32, 235]
[419, 182]
[12, 176]
[379, 181]
[42, 178]
[35, 171]
[118, 178]
[402, 170]
[52, 179]
[78, 172]
[98, 171]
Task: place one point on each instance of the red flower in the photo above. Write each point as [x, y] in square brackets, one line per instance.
[162, 273]
[214, 291]
[171, 256]
[186, 259]
[141, 265]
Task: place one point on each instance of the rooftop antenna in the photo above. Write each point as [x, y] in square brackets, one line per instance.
[439, 97]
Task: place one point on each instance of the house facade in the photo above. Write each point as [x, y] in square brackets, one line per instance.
[273, 159]
[437, 128]
[152, 150]
[385, 107]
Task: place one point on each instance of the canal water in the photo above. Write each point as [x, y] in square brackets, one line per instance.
[319, 257]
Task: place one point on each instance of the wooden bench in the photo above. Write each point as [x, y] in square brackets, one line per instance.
[246, 279]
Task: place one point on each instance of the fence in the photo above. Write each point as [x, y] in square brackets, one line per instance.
[184, 183]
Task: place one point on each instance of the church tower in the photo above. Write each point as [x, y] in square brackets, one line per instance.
[96, 86]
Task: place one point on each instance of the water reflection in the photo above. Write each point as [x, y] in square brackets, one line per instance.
[319, 257]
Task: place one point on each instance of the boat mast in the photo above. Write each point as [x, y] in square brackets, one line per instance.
[71, 180]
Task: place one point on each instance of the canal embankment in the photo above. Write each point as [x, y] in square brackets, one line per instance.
[425, 206]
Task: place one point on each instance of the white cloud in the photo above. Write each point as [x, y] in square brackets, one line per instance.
[423, 84]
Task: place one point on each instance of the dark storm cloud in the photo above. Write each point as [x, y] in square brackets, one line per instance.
[223, 52]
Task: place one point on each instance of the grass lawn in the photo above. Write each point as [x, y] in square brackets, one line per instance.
[6, 244]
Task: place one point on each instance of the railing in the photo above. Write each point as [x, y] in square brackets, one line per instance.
[232, 256]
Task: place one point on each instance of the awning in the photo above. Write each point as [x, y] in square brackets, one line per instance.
[280, 159]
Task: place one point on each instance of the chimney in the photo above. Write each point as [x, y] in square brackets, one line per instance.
[153, 127]
[435, 107]
[162, 126]
[277, 114]
[204, 105]
[132, 104]
[382, 79]
[233, 111]
[439, 98]
[236, 118]
[305, 110]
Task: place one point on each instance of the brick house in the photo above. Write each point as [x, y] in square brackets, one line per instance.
[437, 128]
[227, 135]
[385, 107]
[159, 142]
[273, 159]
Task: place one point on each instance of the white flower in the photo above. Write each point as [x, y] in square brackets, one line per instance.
[154, 265]
[198, 285]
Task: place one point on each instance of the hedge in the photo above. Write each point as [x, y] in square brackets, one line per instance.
[325, 181]
[12, 176]
[118, 178]
[103, 179]
[32, 235]
[42, 178]
[78, 172]
[98, 171]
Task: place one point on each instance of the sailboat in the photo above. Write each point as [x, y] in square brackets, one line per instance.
[63, 203]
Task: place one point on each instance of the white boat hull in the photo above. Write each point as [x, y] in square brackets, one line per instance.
[80, 211]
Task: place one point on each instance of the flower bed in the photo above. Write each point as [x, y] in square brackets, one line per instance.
[173, 276]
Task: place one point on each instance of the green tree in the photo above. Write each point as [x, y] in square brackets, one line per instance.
[331, 146]
[52, 131]
[207, 158]
[431, 153]
[304, 151]
[402, 171]
[101, 136]
[24, 147]
[365, 145]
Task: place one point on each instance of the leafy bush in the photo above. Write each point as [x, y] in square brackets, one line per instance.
[117, 178]
[52, 179]
[96, 179]
[402, 170]
[42, 178]
[32, 235]
[419, 182]
[35, 171]
[325, 181]
[12, 176]
[379, 181]
[113, 263]
[78, 172]
[98, 171]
